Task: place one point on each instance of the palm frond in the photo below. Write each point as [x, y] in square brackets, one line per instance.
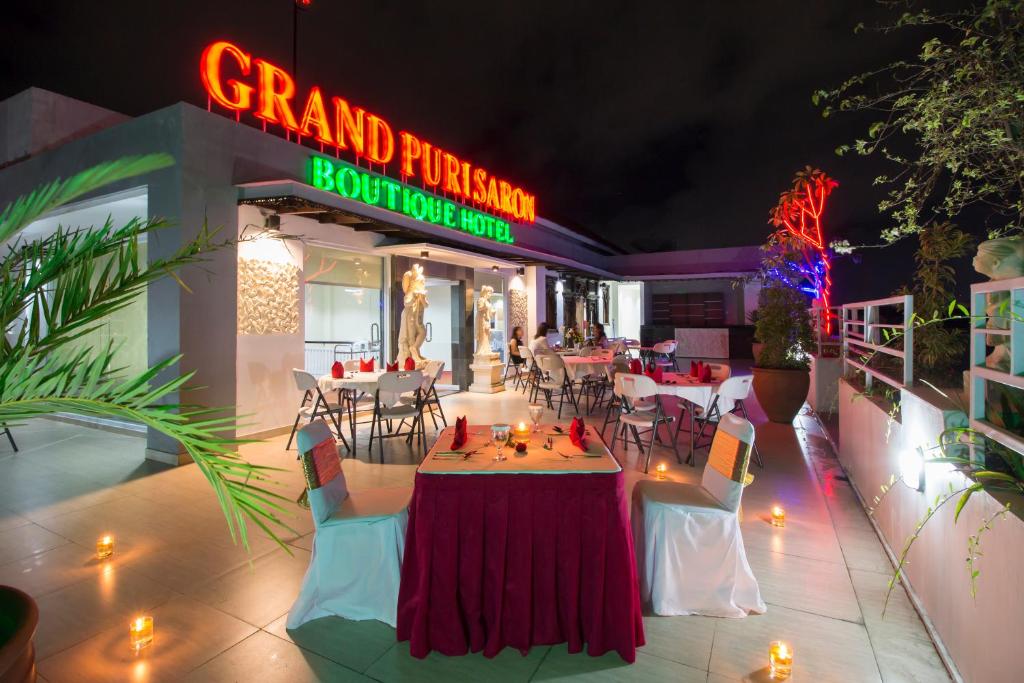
[27, 208]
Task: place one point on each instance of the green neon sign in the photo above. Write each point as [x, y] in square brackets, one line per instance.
[352, 182]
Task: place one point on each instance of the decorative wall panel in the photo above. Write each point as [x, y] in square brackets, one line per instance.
[517, 311]
[268, 297]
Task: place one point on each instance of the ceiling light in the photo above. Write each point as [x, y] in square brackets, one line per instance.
[520, 271]
[494, 269]
[424, 254]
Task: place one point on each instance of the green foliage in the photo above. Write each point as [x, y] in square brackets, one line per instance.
[55, 289]
[783, 322]
[938, 349]
[949, 120]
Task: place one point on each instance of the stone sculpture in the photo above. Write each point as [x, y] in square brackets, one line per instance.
[484, 314]
[1000, 259]
[411, 330]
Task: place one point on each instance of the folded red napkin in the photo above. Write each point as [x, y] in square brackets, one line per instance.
[635, 366]
[410, 364]
[366, 365]
[694, 371]
[337, 370]
[392, 367]
[461, 434]
[705, 373]
[576, 434]
[658, 376]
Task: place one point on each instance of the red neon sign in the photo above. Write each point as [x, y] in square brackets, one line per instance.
[800, 211]
[236, 81]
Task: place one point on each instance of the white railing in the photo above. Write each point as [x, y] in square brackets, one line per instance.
[862, 329]
[1010, 329]
[823, 339]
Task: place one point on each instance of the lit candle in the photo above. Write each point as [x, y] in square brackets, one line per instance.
[661, 469]
[778, 516]
[140, 633]
[522, 432]
[780, 659]
[104, 546]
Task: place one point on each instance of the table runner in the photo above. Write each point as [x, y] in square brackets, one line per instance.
[536, 459]
[517, 560]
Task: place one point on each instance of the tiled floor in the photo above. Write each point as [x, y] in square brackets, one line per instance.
[220, 613]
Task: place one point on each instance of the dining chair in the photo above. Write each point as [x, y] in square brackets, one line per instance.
[555, 379]
[727, 399]
[630, 388]
[665, 355]
[432, 371]
[719, 371]
[315, 405]
[358, 539]
[528, 378]
[620, 364]
[388, 406]
[690, 553]
[10, 437]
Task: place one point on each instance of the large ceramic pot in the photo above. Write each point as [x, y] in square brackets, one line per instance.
[19, 616]
[781, 393]
[755, 349]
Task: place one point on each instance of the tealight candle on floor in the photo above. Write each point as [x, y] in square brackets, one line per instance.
[778, 516]
[104, 547]
[661, 469]
[780, 659]
[140, 633]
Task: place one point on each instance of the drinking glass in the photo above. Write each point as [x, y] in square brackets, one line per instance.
[499, 435]
[536, 413]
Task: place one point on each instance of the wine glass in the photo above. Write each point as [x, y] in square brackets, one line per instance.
[499, 435]
[536, 413]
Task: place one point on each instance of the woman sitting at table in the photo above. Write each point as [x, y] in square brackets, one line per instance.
[600, 339]
[513, 346]
[539, 343]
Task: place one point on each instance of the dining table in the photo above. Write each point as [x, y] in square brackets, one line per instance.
[360, 383]
[532, 550]
[691, 390]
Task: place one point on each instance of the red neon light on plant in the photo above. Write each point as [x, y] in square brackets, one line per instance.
[800, 211]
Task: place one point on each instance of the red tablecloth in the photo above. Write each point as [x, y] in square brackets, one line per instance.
[496, 560]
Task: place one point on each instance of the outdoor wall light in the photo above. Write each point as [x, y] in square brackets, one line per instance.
[424, 254]
[494, 269]
[520, 271]
[912, 468]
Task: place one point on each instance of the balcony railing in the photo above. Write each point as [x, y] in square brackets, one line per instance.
[862, 332]
[1010, 330]
[827, 344]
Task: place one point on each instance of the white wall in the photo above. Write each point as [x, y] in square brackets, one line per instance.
[983, 634]
[629, 309]
[439, 315]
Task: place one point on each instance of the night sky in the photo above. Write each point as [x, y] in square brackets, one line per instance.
[655, 125]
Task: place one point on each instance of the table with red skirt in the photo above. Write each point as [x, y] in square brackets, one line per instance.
[495, 560]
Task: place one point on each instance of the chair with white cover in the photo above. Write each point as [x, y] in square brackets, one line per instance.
[388, 406]
[630, 389]
[315, 405]
[690, 554]
[358, 540]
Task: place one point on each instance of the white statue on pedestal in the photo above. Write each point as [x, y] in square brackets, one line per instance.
[411, 331]
[484, 314]
[1000, 259]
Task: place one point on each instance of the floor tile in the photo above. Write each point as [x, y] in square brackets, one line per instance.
[508, 667]
[825, 650]
[814, 586]
[559, 665]
[686, 640]
[267, 659]
[187, 634]
[259, 592]
[863, 550]
[26, 540]
[353, 644]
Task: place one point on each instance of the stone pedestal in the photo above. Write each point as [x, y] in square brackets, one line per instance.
[487, 374]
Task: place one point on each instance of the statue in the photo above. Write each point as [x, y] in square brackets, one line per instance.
[484, 314]
[411, 331]
[1000, 259]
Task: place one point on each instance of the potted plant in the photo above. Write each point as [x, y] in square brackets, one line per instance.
[19, 617]
[783, 328]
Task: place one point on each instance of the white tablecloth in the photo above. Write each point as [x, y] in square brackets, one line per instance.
[579, 366]
[698, 393]
[361, 381]
[536, 459]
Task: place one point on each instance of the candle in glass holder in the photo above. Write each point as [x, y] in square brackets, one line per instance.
[140, 633]
[778, 516]
[521, 432]
[104, 546]
[661, 469]
[780, 659]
